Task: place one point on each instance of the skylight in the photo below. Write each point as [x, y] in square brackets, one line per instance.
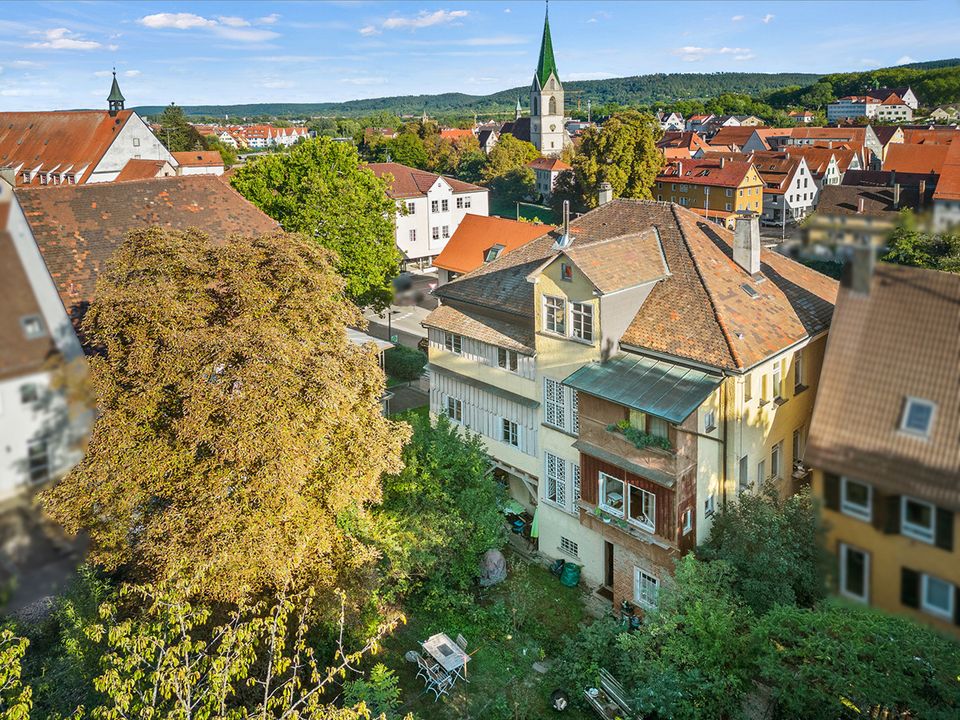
[749, 290]
[493, 253]
[917, 416]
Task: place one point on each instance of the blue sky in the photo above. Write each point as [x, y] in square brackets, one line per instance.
[59, 54]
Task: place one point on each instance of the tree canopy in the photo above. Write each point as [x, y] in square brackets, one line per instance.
[320, 189]
[908, 245]
[237, 422]
[176, 133]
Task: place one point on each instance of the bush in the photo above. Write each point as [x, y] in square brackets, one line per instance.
[593, 647]
[379, 692]
[404, 363]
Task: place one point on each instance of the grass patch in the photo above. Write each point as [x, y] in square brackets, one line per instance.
[528, 211]
[521, 621]
[422, 412]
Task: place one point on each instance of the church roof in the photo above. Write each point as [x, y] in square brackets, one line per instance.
[115, 94]
[547, 63]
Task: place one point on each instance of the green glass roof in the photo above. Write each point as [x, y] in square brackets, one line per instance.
[547, 64]
[658, 387]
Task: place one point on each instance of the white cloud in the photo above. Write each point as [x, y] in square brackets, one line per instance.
[131, 73]
[736, 18]
[268, 19]
[508, 10]
[905, 60]
[692, 53]
[767, 18]
[228, 27]
[366, 80]
[125, 73]
[422, 20]
[178, 21]
[592, 20]
[63, 39]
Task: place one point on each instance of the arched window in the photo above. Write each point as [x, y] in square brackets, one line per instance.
[535, 102]
[553, 105]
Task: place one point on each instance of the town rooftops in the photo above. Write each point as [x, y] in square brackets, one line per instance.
[930, 135]
[879, 360]
[948, 186]
[734, 136]
[701, 311]
[681, 144]
[856, 135]
[718, 172]
[551, 164]
[867, 200]
[478, 235]
[884, 93]
[67, 142]
[78, 227]
[137, 169]
[456, 133]
[410, 182]
[860, 100]
[915, 158]
[199, 158]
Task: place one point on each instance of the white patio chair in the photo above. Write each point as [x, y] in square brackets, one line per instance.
[439, 683]
[462, 642]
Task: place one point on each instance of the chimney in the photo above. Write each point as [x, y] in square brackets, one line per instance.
[922, 194]
[721, 163]
[896, 196]
[679, 169]
[564, 240]
[860, 204]
[746, 242]
[605, 194]
[859, 274]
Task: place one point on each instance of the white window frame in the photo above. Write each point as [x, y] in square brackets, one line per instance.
[743, 474]
[936, 610]
[844, 549]
[459, 203]
[508, 360]
[551, 313]
[601, 495]
[848, 507]
[454, 409]
[413, 235]
[645, 496]
[452, 342]
[798, 370]
[554, 404]
[446, 231]
[584, 313]
[747, 388]
[710, 420]
[435, 232]
[576, 481]
[777, 381]
[646, 588]
[434, 206]
[445, 205]
[910, 402]
[509, 432]
[761, 472]
[687, 520]
[776, 460]
[918, 532]
[709, 505]
[555, 479]
[466, 201]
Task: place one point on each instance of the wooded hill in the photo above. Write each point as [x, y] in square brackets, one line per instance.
[935, 83]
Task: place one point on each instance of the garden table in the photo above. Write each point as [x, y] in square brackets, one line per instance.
[446, 652]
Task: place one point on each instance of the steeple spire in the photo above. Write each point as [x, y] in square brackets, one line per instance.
[547, 64]
[519, 108]
[115, 99]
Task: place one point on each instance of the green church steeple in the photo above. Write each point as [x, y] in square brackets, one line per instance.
[547, 64]
[116, 98]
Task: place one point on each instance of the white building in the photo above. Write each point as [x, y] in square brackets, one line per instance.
[430, 208]
[789, 189]
[199, 162]
[547, 170]
[671, 121]
[892, 108]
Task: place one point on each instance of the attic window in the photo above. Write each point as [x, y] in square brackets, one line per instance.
[566, 272]
[917, 416]
[493, 253]
[33, 327]
[749, 291]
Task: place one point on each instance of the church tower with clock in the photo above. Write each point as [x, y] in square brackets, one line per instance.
[547, 132]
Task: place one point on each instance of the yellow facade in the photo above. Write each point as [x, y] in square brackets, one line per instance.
[889, 553]
[748, 195]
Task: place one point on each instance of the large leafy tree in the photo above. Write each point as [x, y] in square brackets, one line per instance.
[623, 152]
[775, 545]
[909, 245]
[509, 155]
[320, 189]
[407, 149]
[16, 699]
[237, 422]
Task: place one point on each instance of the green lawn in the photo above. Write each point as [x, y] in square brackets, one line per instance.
[502, 207]
[519, 622]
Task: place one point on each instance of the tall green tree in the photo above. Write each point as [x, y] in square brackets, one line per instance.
[176, 134]
[509, 155]
[775, 546]
[624, 153]
[237, 422]
[321, 190]
[909, 245]
[227, 152]
[407, 149]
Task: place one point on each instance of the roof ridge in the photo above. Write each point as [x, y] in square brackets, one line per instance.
[713, 303]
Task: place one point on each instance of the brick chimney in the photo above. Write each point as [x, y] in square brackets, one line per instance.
[605, 193]
[746, 242]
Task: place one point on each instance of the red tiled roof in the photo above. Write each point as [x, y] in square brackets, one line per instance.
[855, 134]
[74, 140]
[927, 136]
[551, 164]
[948, 187]
[706, 171]
[199, 158]
[410, 182]
[77, 227]
[915, 158]
[137, 169]
[455, 133]
[735, 136]
[476, 234]
[681, 144]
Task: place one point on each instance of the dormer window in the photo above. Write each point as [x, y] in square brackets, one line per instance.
[492, 253]
[33, 327]
[917, 417]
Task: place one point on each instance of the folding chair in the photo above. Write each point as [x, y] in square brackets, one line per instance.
[440, 683]
[462, 642]
[423, 668]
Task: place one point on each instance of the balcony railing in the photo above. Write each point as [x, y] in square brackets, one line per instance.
[664, 462]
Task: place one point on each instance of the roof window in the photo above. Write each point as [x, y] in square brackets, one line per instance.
[33, 326]
[917, 416]
[493, 253]
[749, 291]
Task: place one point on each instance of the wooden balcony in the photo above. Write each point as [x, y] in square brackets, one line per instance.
[659, 465]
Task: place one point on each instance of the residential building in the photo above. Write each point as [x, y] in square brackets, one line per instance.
[488, 137]
[883, 441]
[76, 146]
[946, 197]
[681, 145]
[429, 208]
[802, 116]
[861, 139]
[930, 135]
[852, 107]
[715, 189]
[670, 122]
[259, 137]
[944, 114]
[789, 189]
[200, 162]
[699, 123]
[903, 93]
[734, 137]
[479, 240]
[925, 159]
[858, 214]
[764, 138]
[547, 131]
[828, 166]
[546, 172]
[636, 315]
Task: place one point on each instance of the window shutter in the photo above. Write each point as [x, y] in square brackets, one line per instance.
[944, 537]
[893, 515]
[910, 588]
[831, 491]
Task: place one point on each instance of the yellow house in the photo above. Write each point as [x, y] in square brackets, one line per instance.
[639, 315]
[715, 188]
[885, 441]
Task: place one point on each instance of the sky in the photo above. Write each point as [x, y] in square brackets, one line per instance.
[58, 55]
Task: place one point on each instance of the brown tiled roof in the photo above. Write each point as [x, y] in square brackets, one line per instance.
[930, 135]
[621, 262]
[885, 133]
[700, 312]
[734, 136]
[552, 164]
[519, 128]
[478, 233]
[77, 227]
[878, 354]
[410, 182]
[76, 138]
[681, 144]
[854, 134]
[948, 186]
[136, 169]
[877, 201]
[469, 323]
[915, 158]
[199, 158]
[455, 133]
[18, 354]
[706, 171]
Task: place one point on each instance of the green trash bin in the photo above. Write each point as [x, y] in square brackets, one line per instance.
[570, 575]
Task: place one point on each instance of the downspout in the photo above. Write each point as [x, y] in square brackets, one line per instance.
[723, 444]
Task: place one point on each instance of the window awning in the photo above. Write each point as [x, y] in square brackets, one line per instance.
[657, 387]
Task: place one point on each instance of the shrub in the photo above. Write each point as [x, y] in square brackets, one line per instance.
[593, 647]
[404, 363]
[378, 691]
[638, 437]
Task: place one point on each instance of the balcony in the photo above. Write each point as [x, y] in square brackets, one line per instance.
[662, 466]
[621, 532]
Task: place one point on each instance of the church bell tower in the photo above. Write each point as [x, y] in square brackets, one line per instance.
[546, 100]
